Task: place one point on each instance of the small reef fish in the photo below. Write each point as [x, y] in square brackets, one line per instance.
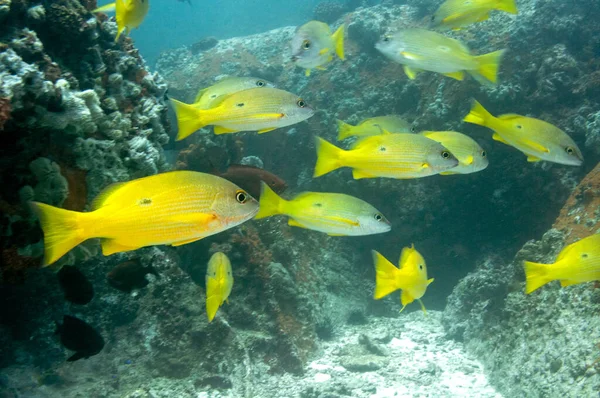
[250, 178]
[313, 45]
[255, 109]
[393, 155]
[77, 288]
[219, 282]
[173, 208]
[537, 139]
[130, 275]
[411, 277]
[471, 157]
[129, 14]
[78, 336]
[335, 214]
[579, 262]
[373, 126]
[454, 14]
[207, 97]
[420, 49]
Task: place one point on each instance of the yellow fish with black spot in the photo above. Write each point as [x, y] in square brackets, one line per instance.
[390, 155]
[471, 157]
[537, 139]
[390, 124]
[219, 282]
[335, 214]
[172, 208]
[129, 14]
[256, 109]
[579, 262]
[454, 14]
[207, 97]
[411, 277]
[420, 49]
[313, 45]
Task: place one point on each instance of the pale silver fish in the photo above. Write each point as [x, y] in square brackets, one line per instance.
[313, 45]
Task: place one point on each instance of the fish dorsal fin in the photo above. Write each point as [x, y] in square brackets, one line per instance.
[404, 255]
[484, 17]
[509, 116]
[106, 195]
[565, 252]
[301, 195]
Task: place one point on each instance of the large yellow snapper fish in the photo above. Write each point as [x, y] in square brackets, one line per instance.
[129, 14]
[471, 157]
[219, 282]
[577, 263]
[391, 155]
[537, 139]
[420, 49]
[207, 97]
[335, 214]
[313, 45]
[172, 208]
[256, 109]
[411, 277]
[373, 126]
[454, 14]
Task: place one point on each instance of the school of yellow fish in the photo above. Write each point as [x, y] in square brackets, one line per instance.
[181, 207]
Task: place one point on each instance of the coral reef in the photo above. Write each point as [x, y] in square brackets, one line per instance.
[329, 11]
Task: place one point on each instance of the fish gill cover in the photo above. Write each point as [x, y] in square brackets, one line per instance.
[80, 111]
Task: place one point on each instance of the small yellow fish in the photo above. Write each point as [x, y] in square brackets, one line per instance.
[129, 14]
[313, 45]
[374, 126]
[219, 281]
[537, 139]
[227, 86]
[420, 49]
[172, 208]
[579, 262]
[471, 157]
[392, 155]
[454, 14]
[411, 277]
[255, 109]
[335, 214]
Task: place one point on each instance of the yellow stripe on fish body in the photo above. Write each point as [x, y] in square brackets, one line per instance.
[393, 155]
[536, 138]
[472, 158]
[256, 109]
[172, 208]
[219, 282]
[209, 96]
[374, 126]
[454, 14]
[579, 262]
[331, 213]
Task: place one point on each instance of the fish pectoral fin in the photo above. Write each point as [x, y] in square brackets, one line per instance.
[358, 174]
[460, 75]
[185, 242]
[565, 282]
[411, 56]
[223, 130]
[324, 51]
[112, 246]
[423, 307]
[410, 72]
[307, 73]
[452, 18]
[293, 223]
[533, 159]
[266, 130]
[406, 298]
[497, 137]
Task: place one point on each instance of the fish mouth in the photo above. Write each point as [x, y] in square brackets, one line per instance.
[294, 58]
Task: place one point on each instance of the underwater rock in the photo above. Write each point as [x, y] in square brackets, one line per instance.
[52, 188]
[204, 44]
[329, 11]
[130, 275]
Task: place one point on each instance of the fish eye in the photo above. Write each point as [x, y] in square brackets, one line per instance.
[584, 255]
[301, 103]
[306, 44]
[241, 197]
[445, 154]
[421, 267]
[386, 38]
[378, 217]
[483, 154]
[413, 129]
[569, 150]
[433, 18]
[260, 83]
[519, 126]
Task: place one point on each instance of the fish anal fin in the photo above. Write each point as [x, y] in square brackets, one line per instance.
[223, 130]
[460, 75]
[565, 282]
[406, 298]
[112, 246]
[497, 137]
[266, 130]
[358, 174]
[185, 242]
[293, 223]
[533, 159]
[410, 72]
[448, 173]
[307, 73]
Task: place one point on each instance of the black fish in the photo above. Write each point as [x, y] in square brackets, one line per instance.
[78, 336]
[130, 275]
[75, 285]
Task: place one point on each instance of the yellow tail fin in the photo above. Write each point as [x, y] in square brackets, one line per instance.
[344, 130]
[189, 119]
[338, 39]
[478, 115]
[328, 157]
[509, 6]
[62, 228]
[488, 66]
[270, 203]
[536, 276]
[106, 8]
[385, 276]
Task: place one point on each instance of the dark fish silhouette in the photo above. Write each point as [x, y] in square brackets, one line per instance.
[130, 275]
[78, 336]
[250, 177]
[75, 285]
